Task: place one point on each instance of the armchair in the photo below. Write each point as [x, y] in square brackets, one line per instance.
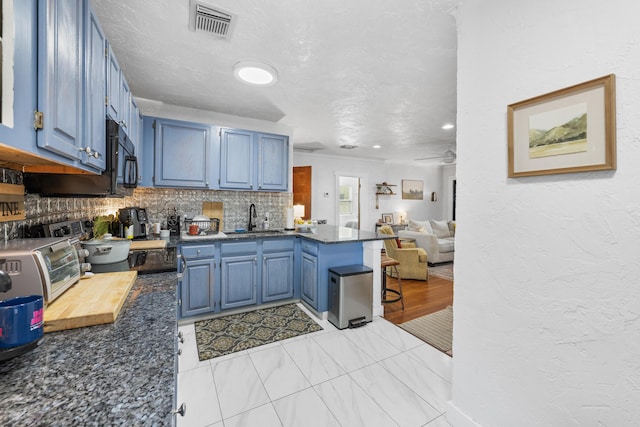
[413, 261]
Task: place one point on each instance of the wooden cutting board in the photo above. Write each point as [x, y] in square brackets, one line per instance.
[89, 302]
[137, 245]
[213, 210]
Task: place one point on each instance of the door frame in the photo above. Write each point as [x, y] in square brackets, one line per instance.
[363, 206]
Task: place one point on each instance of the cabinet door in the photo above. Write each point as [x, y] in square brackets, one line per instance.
[273, 162]
[114, 87]
[198, 287]
[239, 281]
[125, 109]
[16, 128]
[236, 159]
[277, 276]
[136, 136]
[309, 289]
[60, 76]
[95, 87]
[182, 154]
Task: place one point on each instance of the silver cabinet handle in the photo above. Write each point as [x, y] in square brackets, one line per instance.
[181, 410]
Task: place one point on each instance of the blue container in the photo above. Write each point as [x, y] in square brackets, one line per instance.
[21, 321]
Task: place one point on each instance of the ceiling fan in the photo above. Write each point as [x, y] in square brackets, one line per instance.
[448, 156]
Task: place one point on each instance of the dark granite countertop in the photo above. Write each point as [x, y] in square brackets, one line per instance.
[332, 234]
[116, 374]
[324, 234]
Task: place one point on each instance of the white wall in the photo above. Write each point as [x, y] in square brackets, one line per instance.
[547, 296]
[325, 168]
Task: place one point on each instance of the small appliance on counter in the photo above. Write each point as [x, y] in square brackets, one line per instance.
[173, 223]
[46, 266]
[134, 223]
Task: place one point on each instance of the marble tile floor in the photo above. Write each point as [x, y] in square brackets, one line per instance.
[376, 375]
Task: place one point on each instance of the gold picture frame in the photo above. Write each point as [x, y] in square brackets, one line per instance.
[568, 130]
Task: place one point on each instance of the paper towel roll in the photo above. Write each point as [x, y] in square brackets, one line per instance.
[290, 225]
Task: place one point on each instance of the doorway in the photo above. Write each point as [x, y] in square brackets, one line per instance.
[302, 188]
[348, 203]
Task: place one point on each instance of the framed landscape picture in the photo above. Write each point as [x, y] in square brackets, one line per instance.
[569, 130]
[412, 189]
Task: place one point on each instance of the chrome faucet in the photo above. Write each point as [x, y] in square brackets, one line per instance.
[252, 216]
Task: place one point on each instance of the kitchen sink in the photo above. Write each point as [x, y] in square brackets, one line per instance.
[254, 232]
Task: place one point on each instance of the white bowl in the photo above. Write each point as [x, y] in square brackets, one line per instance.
[203, 222]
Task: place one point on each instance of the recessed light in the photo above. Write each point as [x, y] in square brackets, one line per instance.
[255, 73]
[447, 126]
[377, 146]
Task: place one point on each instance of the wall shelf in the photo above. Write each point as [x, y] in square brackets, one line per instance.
[384, 189]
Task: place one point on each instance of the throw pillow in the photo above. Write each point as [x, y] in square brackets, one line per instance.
[440, 229]
[398, 243]
[420, 226]
[452, 228]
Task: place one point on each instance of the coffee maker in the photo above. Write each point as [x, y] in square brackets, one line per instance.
[135, 218]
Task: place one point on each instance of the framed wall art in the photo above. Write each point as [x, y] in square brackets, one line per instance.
[569, 130]
[387, 218]
[412, 189]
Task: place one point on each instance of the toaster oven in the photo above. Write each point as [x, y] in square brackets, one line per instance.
[46, 267]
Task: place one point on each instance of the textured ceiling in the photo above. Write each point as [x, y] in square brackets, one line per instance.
[358, 72]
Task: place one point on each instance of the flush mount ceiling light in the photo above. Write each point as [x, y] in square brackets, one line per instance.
[447, 126]
[377, 146]
[255, 73]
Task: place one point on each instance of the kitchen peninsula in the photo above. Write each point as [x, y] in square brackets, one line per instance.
[241, 271]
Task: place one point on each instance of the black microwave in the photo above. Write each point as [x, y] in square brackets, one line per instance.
[121, 172]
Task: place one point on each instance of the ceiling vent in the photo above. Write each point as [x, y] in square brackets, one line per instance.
[348, 146]
[210, 19]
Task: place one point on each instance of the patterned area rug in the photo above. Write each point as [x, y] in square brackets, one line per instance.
[444, 270]
[236, 332]
[436, 329]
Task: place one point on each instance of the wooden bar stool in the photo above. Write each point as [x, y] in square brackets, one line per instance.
[385, 262]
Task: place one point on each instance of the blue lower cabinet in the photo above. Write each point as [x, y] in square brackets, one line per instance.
[239, 281]
[277, 276]
[317, 259]
[197, 287]
[309, 282]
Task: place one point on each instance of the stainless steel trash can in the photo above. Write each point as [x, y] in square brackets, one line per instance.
[350, 296]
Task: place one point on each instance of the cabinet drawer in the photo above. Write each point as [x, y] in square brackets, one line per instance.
[198, 251]
[239, 247]
[310, 248]
[280, 245]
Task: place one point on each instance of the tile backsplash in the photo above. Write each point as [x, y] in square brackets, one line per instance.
[159, 202]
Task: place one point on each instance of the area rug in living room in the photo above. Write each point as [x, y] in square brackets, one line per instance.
[237, 332]
[444, 270]
[436, 329]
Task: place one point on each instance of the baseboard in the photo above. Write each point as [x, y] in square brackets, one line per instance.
[457, 418]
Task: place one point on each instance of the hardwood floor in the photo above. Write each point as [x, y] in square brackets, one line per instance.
[420, 298]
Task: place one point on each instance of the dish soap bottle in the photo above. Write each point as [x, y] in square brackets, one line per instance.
[265, 223]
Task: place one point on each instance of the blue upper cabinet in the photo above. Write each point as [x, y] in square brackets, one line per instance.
[16, 129]
[182, 154]
[273, 162]
[125, 100]
[60, 76]
[94, 153]
[114, 87]
[253, 161]
[236, 159]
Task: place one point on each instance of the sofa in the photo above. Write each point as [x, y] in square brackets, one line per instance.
[435, 237]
